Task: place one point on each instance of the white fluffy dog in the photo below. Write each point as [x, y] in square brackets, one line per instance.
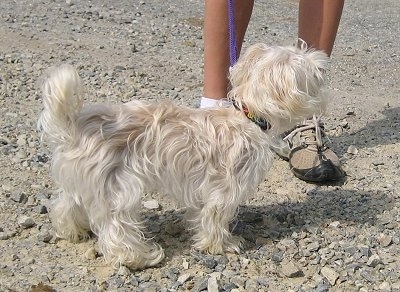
[210, 160]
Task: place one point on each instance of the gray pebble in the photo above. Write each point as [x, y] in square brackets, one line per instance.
[173, 229]
[209, 262]
[352, 150]
[90, 253]
[172, 274]
[4, 235]
[374, 260]
[200, 284]
[151, 205]
[238, 281]
[41, 209]
[385, 240]
[19, 197]
[44, 236]
[26, 221]
[314, 246]
[184, 277]
[212, 284]
[330, 274]
[370, 275]
[291, 270]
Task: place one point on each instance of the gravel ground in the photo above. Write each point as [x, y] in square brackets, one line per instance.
[299, 236]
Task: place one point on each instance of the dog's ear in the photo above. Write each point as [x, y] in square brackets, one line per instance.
[317, 58]
[243, 70]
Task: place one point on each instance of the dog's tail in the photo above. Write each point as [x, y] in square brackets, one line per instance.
[62, 99]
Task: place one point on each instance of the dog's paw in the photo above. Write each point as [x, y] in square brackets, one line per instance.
[138, 260]
[73, 235]
[234, 245]
[231, 245]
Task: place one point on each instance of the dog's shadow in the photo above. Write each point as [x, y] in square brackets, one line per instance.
[262, 226]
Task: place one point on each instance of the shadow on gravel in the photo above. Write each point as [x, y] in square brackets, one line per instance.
[350, 208]
[274, 222]
[381, 132]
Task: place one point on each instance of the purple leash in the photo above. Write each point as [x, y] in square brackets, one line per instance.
[232, 38]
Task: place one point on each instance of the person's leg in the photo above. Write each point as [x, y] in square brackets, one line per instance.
[309, 158]
[216, 43]
[319, 22]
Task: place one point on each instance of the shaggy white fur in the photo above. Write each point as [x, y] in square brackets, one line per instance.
[210, 160]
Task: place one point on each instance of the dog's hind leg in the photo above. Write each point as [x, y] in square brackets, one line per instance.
[69, 218]
[120, 229]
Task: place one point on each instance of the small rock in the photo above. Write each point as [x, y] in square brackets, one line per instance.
[184, 277]
[173, 228]
[230, 287]
[330, 274]
[4, 236]
[369, 275]
[19, 197]
[228, 273]
[185, 264]
[212, 284]
[334, 224]
[344, 123]
[374, 260]
[31, 201]
[209, 262]
[26, 222]
[351, 250]
[151, 205]
[42, 209]
[312, 229]
[352, 150]
[171, 274]
[290, 270]
[119, 68]
[378, 162]
[200, 284]
[277, 256]
[385, 287]
[322, 286]
[313, 246]
[44, 236]
[365, 250]
[385, 240]
[116, 282]
[90, 254]
[238, 281]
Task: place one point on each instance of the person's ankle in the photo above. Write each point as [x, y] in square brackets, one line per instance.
[206, 102]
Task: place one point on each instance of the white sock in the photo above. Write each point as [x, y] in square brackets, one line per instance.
[206, 102]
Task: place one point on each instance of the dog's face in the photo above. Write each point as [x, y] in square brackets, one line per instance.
[279, 84]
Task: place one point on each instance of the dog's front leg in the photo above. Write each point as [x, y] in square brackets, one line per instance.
[211, 225]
